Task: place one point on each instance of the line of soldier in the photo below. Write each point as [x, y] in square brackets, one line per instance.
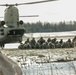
[46, 44]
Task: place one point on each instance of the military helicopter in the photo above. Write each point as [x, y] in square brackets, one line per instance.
[11, 29]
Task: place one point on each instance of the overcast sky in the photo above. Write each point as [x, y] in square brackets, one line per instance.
[55, 11]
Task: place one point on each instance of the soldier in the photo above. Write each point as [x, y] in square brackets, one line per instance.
[21, 46]
[33, 43]
[41, 41]
[54, 40]
[27, 46]
[48, 40]
[37, 46]
[70, 43]
[27, 41]
[58, 45]
[51, 45]
[74, 39]
[61, 41]
[45, 45]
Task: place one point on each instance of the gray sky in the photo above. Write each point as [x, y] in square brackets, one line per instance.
[55, 11]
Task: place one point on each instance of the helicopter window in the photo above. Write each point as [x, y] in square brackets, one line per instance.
[16, 32]
[1, 31]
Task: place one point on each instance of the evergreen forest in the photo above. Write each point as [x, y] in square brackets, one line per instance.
[50, 27]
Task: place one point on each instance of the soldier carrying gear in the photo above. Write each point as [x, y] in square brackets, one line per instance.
[33, 43]
[27, 41]
[48, 40]
[41, 41]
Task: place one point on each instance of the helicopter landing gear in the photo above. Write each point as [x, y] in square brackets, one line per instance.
[20, 40]
[2, 46]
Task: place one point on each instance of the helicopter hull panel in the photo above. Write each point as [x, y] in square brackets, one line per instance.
[11, 39]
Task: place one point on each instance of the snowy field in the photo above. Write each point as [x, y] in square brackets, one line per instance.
[58, 35]
[43, 62]
[52, 34]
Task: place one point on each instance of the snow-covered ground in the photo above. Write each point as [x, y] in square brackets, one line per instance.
[51, 69]
[41, 62]
[51, 34]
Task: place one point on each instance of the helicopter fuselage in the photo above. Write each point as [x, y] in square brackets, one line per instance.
[14, 29]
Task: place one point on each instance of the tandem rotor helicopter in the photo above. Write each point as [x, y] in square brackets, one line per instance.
[11, 29]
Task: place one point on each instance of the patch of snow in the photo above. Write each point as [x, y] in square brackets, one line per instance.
[51, 34]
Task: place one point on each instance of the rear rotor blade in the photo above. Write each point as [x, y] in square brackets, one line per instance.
[30, 16]
[27, 16]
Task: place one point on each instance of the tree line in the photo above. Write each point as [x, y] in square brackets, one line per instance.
[50, 27]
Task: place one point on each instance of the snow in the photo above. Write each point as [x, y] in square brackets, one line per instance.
[52, 68]
[35, 65]
[51, 34]
[11, 45]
